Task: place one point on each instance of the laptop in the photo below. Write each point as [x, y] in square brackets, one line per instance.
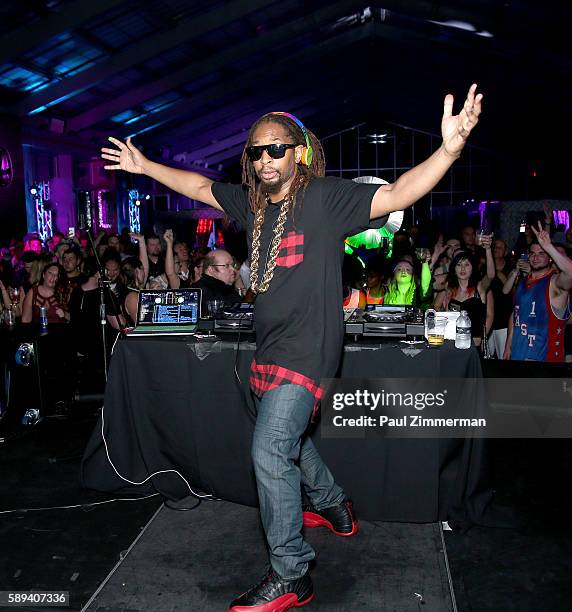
[167, 312]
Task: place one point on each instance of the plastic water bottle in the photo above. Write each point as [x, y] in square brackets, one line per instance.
[43, 320]
[463, 331]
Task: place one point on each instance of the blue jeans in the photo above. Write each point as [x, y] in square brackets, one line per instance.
[283, 458]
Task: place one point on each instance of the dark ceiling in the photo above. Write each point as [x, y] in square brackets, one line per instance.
[185, 76]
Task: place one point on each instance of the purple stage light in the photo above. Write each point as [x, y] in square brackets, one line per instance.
[102, 210]
[562, 217]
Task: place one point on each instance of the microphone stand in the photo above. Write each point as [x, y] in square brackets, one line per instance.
[104, 284]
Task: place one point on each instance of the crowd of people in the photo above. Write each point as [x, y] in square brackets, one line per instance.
[63, 277]
[528, 288]
[468, 271]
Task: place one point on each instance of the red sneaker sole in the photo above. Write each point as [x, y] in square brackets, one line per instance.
[280, 604]
[315, 520]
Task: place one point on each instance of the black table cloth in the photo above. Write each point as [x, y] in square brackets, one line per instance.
[178, 404]
[48, 380]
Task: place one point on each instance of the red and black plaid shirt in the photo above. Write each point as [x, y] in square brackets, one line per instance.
[267, 377]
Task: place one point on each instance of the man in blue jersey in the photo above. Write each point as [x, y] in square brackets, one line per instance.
[541, 305]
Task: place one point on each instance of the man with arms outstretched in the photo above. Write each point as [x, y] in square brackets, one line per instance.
[296, 220]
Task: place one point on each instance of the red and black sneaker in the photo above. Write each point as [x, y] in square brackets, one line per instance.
[339, 519]
[275, 594]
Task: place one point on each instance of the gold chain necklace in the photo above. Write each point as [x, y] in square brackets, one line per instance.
[270, 263]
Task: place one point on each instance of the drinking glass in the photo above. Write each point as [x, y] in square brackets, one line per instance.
[435, 326]
[10, 317]
[14, 293]
[213, 306]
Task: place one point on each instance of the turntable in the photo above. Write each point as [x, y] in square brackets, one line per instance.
[380, 321]
[233, 319]
[388, 321]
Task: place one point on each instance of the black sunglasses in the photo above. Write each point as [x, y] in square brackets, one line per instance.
[276, 151]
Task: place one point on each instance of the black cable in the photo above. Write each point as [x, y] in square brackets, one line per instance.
[240, 384]
[236, 351]
[168, 505]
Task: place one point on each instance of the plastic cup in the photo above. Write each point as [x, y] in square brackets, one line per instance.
[436, 330]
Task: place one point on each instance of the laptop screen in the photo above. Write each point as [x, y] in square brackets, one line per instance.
[169, 307]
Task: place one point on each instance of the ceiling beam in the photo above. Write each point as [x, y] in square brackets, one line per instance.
[214, 123]
[92, 40]
[227, 154]
[139, 52]
[240, 137]
[232, 147]
[216, 157]
[308, 111]
[507, 21]
[477, 14]
[268, 39]
[44, 71]
[51, 141]
[208, 128]
[213, 126]
[71, 15]
[242, 83]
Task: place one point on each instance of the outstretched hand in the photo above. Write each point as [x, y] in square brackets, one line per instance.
[126, 157]
[440, 247]
[487, 241]
[542, 236]
[455, 129]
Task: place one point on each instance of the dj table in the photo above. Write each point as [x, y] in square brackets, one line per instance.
[180, 404]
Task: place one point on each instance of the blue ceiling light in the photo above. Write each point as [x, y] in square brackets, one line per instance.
[38, 110]
[147, 129]
[57, 101]
[155, 106]
[21, 79]
[135, 118]
[123, 116]
[38, 88]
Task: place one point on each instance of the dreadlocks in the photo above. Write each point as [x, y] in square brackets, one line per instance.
[259, 201]
[256, 198]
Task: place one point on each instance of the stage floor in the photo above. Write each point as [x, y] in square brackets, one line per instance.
[66, 547]
[202, 559]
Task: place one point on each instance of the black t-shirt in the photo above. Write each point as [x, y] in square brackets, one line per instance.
[84, 310]
[85, 322]
[214, 289]
[503, 303]
[156, 268]
[299, 320]
[77, 281]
